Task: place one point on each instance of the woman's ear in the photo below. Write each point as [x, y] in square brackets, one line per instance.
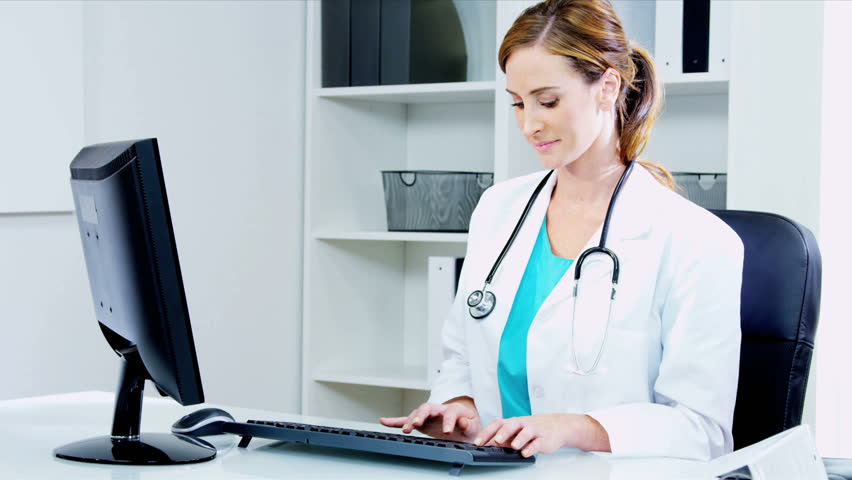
[610, 85]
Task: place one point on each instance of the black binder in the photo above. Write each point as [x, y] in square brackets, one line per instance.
[396, 42]
[696, 35]
[421, 42]
[335, 43]
[365, 29]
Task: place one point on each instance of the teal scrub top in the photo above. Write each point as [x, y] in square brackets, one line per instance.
[543, 272]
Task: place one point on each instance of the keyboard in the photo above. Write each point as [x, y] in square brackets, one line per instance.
[458, 454]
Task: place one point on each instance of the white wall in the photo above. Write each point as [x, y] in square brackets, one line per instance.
[50, 341]
[41, 99]
[774, 132]
[691, 135]
[220, 84]
[834, 389]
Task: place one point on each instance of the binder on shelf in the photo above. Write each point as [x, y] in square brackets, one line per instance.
[365, 30]
[441, 286]
[335, 43]
[396, 39]
[421, 42]
[696, 36]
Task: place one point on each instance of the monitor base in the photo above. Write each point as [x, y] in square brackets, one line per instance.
[150, 449]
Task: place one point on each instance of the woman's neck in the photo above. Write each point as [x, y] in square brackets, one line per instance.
[588, 182]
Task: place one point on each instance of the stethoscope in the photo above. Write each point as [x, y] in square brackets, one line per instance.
[482, 302]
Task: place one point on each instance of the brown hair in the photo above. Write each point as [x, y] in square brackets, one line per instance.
[590, 36]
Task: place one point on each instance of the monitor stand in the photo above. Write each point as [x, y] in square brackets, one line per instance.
[126, 446]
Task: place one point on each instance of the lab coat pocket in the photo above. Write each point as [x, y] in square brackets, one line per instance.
[621, 376]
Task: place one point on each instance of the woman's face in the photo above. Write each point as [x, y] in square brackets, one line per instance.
[559, 113]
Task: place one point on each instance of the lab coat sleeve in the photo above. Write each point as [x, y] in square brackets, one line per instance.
[453, 378]
[695, 391]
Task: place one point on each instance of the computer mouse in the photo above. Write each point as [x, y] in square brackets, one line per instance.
[207, 421]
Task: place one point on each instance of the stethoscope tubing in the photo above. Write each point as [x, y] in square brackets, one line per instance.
[482, 302]
[518, 226]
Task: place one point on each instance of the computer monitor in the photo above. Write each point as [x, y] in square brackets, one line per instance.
[135, 278]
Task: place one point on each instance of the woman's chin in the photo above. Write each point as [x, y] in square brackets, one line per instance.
[549, 162]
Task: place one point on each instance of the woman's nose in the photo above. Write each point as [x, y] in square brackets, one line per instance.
[531, 125]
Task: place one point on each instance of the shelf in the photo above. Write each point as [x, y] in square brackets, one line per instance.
[394, 236]
[696, 87]
[418, 93]
[412, 378]
[482, 91]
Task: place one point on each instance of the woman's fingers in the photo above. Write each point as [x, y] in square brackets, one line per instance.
[532, 448]
[460, 419]
[499, 432]
[426, 411]
[453, 418]
[414, 415]
[450, 416]
[470, 426]
[393, 421]
[509, 429]
[488, 432]
[420, 415]
[522, 438]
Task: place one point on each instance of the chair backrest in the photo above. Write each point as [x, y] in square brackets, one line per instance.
[782, 272]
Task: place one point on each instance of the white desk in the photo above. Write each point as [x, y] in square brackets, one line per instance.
[31, 428]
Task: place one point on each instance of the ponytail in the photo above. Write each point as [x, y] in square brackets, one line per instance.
[638, 108]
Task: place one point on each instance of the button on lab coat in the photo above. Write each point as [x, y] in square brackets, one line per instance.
[667, 379]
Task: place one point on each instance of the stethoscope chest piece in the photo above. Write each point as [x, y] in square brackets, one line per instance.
[481, 303]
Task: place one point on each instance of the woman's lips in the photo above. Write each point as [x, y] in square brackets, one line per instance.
[545, 146]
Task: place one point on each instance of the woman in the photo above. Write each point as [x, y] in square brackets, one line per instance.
[649, 368]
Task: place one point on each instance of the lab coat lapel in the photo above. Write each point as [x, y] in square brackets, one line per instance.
[630, 221]
[507, 279]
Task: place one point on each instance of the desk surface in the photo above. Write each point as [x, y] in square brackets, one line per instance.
[33, 427]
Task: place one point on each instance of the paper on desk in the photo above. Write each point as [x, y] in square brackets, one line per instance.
[790, 454]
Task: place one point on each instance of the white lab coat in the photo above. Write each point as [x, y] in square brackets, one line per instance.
[666, 383]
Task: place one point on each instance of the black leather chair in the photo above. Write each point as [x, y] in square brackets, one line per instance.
[782, 275]
[779, 310]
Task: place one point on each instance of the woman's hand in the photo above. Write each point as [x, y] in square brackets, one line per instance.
[453, 420]
[545, 433]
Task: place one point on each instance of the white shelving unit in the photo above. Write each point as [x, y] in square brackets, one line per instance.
[422, 93]
[365, 326]
[409, 377]
[395, 236]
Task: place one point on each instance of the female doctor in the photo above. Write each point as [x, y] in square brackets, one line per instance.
[642, 356]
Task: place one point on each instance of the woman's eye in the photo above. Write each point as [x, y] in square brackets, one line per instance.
[544, 104]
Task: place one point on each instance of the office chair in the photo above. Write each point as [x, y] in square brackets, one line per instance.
[782, 275]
